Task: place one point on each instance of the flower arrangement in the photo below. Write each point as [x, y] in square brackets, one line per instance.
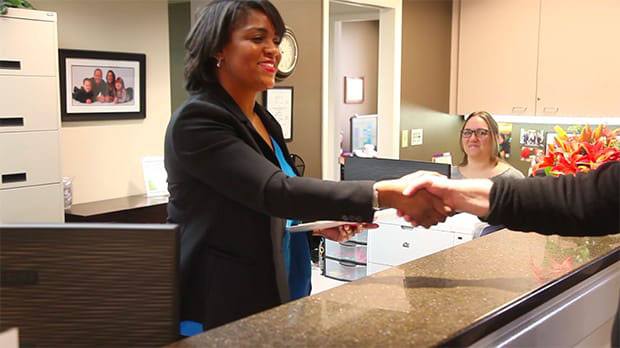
[580, 153]
[571, 154]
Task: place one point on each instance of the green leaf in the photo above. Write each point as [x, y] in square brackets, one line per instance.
[4, 4]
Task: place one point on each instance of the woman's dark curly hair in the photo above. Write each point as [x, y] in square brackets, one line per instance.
[212, 32]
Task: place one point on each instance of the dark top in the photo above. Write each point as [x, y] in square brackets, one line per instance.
[229, 197]
[100, 88]
[81, 95]
[585, 204]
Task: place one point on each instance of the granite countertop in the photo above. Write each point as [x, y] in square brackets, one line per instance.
[453, 297]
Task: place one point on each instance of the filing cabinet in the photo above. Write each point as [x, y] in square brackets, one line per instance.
[30, 174]
[396, 242]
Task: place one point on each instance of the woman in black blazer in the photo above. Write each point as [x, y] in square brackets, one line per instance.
[228, 191]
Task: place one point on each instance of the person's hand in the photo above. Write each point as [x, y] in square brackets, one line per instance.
[468, 195]
[421, 207]
[343, 233]
[430, 182]
[433, 182]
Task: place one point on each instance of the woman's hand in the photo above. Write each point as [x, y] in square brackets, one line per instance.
[343, 233]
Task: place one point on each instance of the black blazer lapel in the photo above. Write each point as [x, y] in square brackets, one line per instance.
[217, 94]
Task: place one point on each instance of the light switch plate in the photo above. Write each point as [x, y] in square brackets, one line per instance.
[404, 138]
[417, 136]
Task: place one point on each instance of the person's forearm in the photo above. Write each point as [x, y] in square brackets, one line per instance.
[471, 196]
[586, 204]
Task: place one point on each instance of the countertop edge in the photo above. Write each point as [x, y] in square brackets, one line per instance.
[505, 315]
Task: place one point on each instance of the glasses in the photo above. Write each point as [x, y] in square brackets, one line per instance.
[480, 132]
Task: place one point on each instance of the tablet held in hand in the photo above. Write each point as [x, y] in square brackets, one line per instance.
[317, 225]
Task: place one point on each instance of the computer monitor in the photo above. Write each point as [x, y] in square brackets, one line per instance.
[363, 131]
[90, 285]
[356, 168]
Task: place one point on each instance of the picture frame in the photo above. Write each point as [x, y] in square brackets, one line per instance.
[279, 102]
[85, 91]
[364, 130]
[353, 90]
[155, 176]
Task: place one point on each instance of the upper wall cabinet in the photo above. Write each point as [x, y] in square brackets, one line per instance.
[539, 57]
[497, 56]
[579, 58]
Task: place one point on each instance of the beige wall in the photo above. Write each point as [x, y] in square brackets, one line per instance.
[304, 17]
[104, 156]
[178, 28]
[357, 55]
[426, 78]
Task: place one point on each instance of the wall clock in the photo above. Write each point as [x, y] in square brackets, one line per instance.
[290, 51]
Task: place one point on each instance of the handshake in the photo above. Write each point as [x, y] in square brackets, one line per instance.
[423, 199]
[427, 198]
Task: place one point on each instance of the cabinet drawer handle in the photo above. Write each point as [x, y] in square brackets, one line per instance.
[406, 227]
[551, 110]
[519, 109]
[347, 264]
[11, 121]
[17, 177]
[10, 64]
[461, 238]
[406, 245]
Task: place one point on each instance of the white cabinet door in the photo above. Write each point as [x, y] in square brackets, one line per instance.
[430, 241]
[498, 47]
[579, 70]
[35, 204]
[373, 268]
[460, 238]
[394, 245]
[390, 245]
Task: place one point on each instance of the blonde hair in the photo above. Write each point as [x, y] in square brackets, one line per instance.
[493, 134]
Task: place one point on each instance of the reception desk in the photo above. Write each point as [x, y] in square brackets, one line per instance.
[507, 287]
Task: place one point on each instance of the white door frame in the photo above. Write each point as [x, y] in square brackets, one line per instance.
[388, 89]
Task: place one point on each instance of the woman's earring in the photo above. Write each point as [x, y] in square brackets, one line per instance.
[219, 63]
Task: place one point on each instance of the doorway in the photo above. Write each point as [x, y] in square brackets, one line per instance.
[340, 17]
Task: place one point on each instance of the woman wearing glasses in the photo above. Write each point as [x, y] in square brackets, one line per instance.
[479, 143]
[479, 138]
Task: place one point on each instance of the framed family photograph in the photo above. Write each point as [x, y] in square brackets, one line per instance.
[97, 85]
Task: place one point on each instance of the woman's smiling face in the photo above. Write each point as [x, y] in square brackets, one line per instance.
[476, 145]
[250, 59]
